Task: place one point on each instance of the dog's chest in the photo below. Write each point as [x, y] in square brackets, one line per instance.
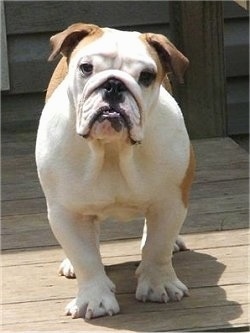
[109, 190]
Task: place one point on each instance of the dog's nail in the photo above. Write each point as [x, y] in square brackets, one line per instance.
[164, 298]
[110, 313]
[144, 298]
[75, 313]
[89, 314]
[186, 293]
[178, 297]
[67, 312]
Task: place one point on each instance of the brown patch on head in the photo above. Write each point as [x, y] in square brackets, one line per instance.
[167, 84]
[170, 59]
[66, 43]
[87, 40]
[152, 51]
[188, 179]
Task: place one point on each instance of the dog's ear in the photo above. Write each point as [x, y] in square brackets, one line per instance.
[64, 42]
[171, 59]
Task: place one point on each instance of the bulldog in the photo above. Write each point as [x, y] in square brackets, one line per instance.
[112, 143]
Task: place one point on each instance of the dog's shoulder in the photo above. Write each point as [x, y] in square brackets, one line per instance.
[167, 112]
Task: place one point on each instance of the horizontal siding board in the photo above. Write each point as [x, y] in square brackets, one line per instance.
[21, 112]
[26, 47]
[46, 16]
[238, 118]
[37, 80]
[236, 40]
[237, 90]
[237, 60]
[236, 32]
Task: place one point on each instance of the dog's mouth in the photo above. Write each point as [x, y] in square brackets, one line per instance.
[117, 117]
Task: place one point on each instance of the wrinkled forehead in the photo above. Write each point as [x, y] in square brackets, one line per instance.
[125, 45]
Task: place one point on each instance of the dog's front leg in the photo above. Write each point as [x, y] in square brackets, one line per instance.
[157, 281]
[79, 237]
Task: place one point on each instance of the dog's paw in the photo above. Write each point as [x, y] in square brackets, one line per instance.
[159, 284]
[179, 245]
[66, 269]
[94, 300]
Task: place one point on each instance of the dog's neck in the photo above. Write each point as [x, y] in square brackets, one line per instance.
[116, 153]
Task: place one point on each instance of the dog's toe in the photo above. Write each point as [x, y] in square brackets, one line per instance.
[179, 245]
[176, 290]
[66, 269]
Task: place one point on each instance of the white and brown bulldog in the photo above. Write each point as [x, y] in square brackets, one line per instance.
[112, 143]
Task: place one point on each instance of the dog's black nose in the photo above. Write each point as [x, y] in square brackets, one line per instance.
[113, 91]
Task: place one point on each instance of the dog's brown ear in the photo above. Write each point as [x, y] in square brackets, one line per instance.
[171, 59]
[64, 42]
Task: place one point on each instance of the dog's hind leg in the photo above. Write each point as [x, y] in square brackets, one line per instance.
[179, 245]
[157, 280]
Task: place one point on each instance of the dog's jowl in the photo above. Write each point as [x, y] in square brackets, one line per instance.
[112, 143]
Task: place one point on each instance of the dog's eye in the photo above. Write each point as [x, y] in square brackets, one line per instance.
[86, 68]
[147, 77]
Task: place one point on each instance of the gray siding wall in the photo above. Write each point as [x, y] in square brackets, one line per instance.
[29, 26]
[236, 37]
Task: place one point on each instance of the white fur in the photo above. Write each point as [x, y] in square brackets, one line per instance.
[88, 181]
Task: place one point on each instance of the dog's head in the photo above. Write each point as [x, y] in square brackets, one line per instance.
[114, 78]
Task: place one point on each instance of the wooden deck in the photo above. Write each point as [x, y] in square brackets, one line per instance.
[215, 269]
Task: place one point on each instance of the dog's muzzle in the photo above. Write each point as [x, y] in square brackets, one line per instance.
[113, 93]
[110, 108]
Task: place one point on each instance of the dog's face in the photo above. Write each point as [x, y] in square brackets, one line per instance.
[113, 87]
[114, 78]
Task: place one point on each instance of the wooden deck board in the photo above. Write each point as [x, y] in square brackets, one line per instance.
[215, 268]
[47, 282]
[214, 272]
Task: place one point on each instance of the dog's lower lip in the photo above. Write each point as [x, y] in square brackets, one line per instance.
[116, 120]
[109, 113]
